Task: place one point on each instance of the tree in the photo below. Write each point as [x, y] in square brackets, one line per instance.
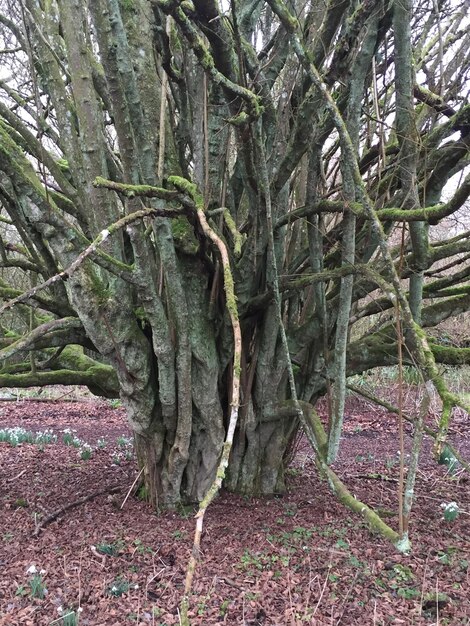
[171, 171]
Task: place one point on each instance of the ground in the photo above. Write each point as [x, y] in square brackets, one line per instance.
[292, 560]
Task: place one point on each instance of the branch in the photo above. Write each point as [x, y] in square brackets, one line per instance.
[50, 518]
[98, 377]
[255, 109]
[91, 249]
[315, 432]
[25, 343]
[432, 214]
[393, 409]
[433, 100]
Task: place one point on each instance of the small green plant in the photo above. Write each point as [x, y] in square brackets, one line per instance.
[115, 403]
[68, 436]
[38, 589]
[70, 439]
[142, 493]
[252, 597]
[451, 511]
[107, 548]
[140, 548]
[224, 607]
[249, 560]
[401, 573]
[448, 459]
[390, 462]
[101, 443]
[290, 511]
[111, 549]
[118, 587]
[364, 458]
[408, 593]
[411, 375]
[124, 442]
[21, 591]
[69, 618]
[401, 580]
[86, 452]
[201, 607]
[355, 562]
[342, 544]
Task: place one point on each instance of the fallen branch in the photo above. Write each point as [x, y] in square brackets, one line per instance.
[12, 480]
[50, 518]
[374, 476]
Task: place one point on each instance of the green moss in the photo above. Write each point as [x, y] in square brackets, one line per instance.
[237, 237]
[63, 165]
[143, 493]
[290, 22]
[128, 190]
[187, 187]
[139, 312]
[450, 355]
[102, 293]
[127, 5]
[230, 297]
[239, 120]
[237, 368]
[183, 234]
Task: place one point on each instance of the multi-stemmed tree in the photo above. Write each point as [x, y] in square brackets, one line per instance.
[202, 204]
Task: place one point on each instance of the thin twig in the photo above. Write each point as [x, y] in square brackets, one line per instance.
[132, 487]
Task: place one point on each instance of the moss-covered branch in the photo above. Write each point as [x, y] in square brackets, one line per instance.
[317, 436]
[27, 342]
[431, 214]
[96, 378]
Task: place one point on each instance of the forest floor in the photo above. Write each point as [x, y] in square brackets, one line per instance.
[287, 561]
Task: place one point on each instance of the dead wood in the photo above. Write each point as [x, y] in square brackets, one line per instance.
[55, 514]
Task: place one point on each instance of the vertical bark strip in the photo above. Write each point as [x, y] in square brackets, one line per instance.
[408, 140]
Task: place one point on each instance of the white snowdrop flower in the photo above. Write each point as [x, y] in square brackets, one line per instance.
[32, 569]
[43, 571]
[136, 586]
[142, 52]
[80, 609]
[104, 234]
[60, 610]
[114, 588]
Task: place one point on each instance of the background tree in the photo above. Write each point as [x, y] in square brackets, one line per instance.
[323, 145]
